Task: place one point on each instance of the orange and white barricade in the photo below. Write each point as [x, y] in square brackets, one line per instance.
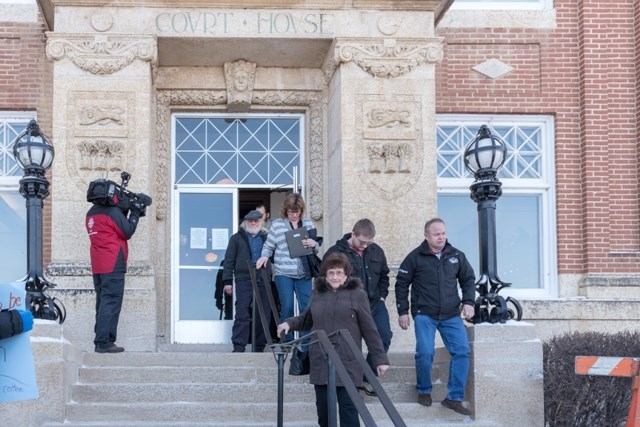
[615, 367]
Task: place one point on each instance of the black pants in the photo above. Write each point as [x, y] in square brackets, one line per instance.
[347, 411]
[242, 324]
[109, 293]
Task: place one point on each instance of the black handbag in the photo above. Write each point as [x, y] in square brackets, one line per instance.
[299, 362]
[314, 263]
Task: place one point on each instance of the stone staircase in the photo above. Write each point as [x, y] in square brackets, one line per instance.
[219, 388]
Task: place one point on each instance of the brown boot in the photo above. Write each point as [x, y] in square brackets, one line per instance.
[456, 405]
[424, 399]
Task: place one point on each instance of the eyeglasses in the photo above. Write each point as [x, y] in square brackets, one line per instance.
[339, 273]
[363, 243]
[289, 212]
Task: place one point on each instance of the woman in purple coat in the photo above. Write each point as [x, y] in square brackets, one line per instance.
[338, 302]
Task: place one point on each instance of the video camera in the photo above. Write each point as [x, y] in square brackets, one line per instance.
[108, 193]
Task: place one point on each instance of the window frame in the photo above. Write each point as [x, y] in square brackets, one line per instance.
[502, 5]
[10, 183]
[545, 187]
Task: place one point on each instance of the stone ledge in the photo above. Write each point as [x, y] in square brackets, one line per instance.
[580, 308]
[63, 269]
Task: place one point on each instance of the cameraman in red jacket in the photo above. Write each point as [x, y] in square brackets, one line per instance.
[109, 230]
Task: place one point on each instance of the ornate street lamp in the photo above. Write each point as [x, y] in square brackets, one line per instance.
[483, 157]
[34, 153]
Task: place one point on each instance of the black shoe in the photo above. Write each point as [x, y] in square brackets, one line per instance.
[367, 389]
[238, 349]
[424, 399]
[456, 405]
[109, 349]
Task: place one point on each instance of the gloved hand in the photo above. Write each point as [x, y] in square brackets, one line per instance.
[138, 209]
[27, 320]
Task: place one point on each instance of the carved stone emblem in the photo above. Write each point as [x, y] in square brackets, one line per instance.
[390, 141]
[102, 21]
[100, 114]
[388, 120]
[100, 155]
[239, 78]
[390, 157]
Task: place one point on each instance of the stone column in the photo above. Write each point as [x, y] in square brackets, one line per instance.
[102, 125]
[506, 375]
[381, 147]
[381, 143]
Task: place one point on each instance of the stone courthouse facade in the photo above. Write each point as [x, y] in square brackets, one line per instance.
[365, 106]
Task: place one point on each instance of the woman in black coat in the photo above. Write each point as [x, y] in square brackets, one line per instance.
[338, 302]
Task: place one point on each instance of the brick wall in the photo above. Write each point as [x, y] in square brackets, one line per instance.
[584, 72]
[26, 85]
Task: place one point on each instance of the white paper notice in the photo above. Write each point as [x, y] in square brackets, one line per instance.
[198, 238]
[219, 238]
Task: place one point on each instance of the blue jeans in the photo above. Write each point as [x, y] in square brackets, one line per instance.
[455, 339]
[286, 287]
[380, 316]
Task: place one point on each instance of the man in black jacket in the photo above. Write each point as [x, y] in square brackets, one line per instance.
[370, 266]
[246, 246]
[433, 271]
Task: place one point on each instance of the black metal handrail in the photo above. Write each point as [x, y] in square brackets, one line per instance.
[336, 367]
[334, 363]
[257, 305]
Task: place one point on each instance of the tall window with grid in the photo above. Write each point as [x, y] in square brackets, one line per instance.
[525, 214]
[13, 227]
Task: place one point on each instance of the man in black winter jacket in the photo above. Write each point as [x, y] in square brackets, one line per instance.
[246, 246]
[433, 271]
[370, 266]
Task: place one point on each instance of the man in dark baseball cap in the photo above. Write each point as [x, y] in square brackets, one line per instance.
[244, 246]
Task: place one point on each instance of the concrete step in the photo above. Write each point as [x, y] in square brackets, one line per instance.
[409, 423]
[213, 388]
[207, 374]
[224, 412]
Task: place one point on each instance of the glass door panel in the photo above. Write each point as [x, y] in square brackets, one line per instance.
[205, 220]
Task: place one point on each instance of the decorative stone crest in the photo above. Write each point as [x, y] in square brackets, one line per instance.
[389, 58]
[390, 157]
[99, 134]
[101, 55]
[239, 78]
[100, 155]
[389, 121]
[102, 115]
[390, 141]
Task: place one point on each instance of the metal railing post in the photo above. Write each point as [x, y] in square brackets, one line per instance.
[332, 394]
[281, 360]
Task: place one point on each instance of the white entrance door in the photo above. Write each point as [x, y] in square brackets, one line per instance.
[205, 219]
[214, 157]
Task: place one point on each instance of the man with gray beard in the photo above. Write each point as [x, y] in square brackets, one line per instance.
[246, 246]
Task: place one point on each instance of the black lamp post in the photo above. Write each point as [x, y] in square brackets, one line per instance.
[34, 153]
[483, 157]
